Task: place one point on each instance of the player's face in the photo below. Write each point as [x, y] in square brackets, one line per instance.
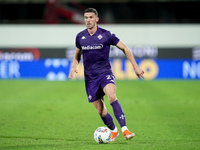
[90, 20]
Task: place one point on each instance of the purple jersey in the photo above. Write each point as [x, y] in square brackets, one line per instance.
[95, 50]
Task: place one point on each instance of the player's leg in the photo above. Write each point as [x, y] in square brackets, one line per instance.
[106, 117]
[102, 111]
[100, 106]
[110, 91]
[95, 95]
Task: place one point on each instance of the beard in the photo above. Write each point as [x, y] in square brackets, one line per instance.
[90, 26]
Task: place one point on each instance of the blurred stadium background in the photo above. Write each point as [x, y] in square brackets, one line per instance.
[37, 37]
[37, 41]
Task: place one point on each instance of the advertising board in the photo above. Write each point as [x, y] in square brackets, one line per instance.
[58, 69]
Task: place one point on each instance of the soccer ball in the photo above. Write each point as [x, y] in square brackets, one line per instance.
[102, 135]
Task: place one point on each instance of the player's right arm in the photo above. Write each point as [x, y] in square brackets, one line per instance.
[76, 60]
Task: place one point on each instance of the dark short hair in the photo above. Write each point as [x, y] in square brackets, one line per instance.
[89, 10]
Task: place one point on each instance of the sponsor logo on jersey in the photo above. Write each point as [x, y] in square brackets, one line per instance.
[91, 47]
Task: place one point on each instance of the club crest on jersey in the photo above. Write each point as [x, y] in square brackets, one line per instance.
[100, 37]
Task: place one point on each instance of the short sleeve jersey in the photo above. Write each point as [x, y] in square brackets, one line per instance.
[95, 50]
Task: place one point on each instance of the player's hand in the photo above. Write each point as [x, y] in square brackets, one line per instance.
[139, 72]
[72, 71]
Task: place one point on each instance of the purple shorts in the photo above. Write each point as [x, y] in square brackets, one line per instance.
[94, 88]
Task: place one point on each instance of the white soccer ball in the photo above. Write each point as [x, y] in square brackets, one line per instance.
[102, 135]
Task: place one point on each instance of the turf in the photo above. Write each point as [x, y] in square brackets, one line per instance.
[37, 114]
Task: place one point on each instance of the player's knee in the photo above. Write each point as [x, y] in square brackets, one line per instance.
[112, 98]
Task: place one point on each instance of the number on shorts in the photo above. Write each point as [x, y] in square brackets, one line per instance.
[110, 77]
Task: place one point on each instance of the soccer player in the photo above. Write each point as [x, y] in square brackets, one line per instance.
[94, 44]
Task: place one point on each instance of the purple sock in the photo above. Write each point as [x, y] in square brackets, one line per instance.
[119, 114]
[108, 121]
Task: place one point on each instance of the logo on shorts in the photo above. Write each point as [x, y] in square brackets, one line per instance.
[90, 97]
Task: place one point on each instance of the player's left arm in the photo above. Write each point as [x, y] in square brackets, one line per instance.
[139, 72]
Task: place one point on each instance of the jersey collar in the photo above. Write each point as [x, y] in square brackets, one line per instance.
[94, 33]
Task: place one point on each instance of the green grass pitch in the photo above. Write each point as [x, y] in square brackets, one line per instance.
[39, 114]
